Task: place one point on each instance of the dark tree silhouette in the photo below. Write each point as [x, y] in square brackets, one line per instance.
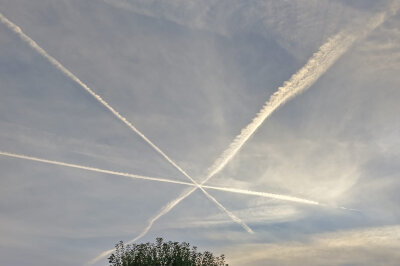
[162, 254]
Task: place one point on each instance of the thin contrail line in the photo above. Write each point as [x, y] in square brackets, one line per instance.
[264, 194]
[69, 74]
[93, 169]
[315, 67]
[157, 179]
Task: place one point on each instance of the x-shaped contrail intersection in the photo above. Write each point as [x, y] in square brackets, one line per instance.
[318, 64]
[17, 30]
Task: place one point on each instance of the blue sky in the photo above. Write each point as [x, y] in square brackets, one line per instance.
[190, 75]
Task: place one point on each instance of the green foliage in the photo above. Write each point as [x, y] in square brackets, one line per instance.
[162, 254]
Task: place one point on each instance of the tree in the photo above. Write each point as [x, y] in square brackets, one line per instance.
[162, 254]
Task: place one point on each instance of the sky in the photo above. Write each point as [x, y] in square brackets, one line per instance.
[189, 76]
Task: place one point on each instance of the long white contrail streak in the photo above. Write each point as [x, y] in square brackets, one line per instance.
[157, 179]
[263, 194]
[93, 169]
[315, 67]
[69, 74]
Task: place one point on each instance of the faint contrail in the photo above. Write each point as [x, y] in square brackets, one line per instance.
[69, 74]
[315, 67]
[164, 211]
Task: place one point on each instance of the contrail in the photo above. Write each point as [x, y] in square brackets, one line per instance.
[157, 179]
[264, 194]
[278, 197]
[315, 67]
[93, 169]
[69, 74]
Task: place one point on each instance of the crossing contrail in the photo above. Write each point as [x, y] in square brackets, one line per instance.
[157, 179]
[169, 206]
[69, 74]
[315, 67]
[185, 194]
